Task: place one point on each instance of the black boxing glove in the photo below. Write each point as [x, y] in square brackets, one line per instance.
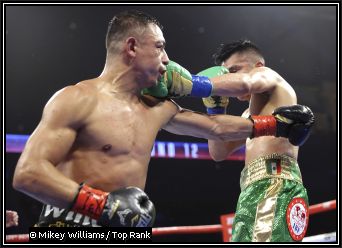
[302, 119]
[292, 122]
[126, 207]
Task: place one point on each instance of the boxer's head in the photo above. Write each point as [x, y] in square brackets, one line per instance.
[240, 56]
[137, 39]
[131, 23]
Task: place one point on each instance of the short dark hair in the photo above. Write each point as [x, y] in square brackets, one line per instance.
[224, 51]
[127, 22]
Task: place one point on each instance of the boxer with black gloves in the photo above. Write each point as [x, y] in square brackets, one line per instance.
[125, 207]
[292, 122]
[273, 203]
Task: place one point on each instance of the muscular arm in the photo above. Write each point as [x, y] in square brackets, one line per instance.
[36, 174]
[258, 80]
[219, 127]
[219, 150]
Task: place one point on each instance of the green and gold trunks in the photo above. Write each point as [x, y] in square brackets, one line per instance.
[273, 203]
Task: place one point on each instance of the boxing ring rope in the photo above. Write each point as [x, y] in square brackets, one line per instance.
[186, 229]
[313, 209]
[15, 143]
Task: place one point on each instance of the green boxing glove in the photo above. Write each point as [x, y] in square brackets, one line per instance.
[177, 81]
[160, 90]
[215, 104]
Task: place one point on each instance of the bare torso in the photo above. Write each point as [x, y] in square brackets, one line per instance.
[264, 104]
[113, 146]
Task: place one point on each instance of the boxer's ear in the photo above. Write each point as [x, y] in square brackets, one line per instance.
[259, 64]
[130, 46]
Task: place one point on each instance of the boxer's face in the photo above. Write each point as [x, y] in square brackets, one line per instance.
[151, 58]
[239, 62]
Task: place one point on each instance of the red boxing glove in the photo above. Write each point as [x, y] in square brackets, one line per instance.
[264, 125]
[293, 122]
[125, 207]
[90, 201]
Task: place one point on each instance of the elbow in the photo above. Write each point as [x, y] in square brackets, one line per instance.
[23, 178]
[19, 180]
[245, 86]
[217, 153]
[217, 157]
[222, 132]
[216, 133]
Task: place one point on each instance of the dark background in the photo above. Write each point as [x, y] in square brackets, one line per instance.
[49, 47]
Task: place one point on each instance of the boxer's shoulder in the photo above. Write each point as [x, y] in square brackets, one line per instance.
[73, 102]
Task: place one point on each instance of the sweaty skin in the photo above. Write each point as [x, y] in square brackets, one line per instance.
[101, 131]
[112, 147]
[264, 104]
[266, 90]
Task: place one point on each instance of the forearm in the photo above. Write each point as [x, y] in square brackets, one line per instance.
[44, 182]
[210, 127]
[260, 79]
[50, 186]
[232, 84]
[229, 127]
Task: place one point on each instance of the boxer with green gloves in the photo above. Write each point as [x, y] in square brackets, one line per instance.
[215, 104]
[177, 81]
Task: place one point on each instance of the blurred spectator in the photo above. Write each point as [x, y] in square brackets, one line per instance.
[12, 218]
